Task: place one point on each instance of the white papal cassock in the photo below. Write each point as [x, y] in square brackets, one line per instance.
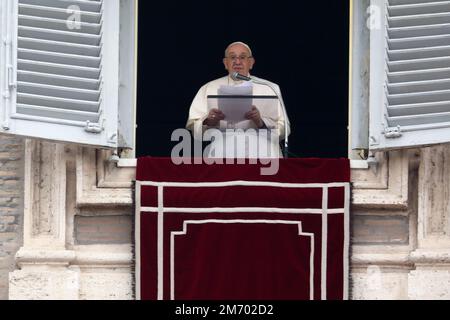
[236, 143]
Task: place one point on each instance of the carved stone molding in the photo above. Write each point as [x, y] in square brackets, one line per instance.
[400, 259]
[99, 182]
[43, 260]
[375, 177]
[431, 257]
[434, 197]
[98, 256]
[35, 257]
[110, 175]
[44, 194]
[385, 186]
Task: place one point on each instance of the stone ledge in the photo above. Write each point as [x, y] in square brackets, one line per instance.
[104, 258]
[43, 256]
[381, 259]
[431, 256]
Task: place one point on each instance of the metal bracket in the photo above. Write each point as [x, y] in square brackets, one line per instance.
[93, 127]
[391, 133]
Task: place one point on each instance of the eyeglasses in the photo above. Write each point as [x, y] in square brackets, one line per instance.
[234, 58]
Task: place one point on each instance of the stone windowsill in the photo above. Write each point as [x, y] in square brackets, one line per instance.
[354, 164]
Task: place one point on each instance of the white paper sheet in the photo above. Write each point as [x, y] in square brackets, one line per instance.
[233, 107]
[236, 101]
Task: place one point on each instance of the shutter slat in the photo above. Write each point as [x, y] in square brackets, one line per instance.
[410, 32]
[421, 97]
[59, 58]
[418, 8]
[59, 69]
[419, 20]
[70, 48]
[418, 75]
[422, 119]
[418, 86]
[418, 53]
[419, 64]
[72, 115]
[61, 36]
[419, 42]
[402, 2]
[92, 6]
[57, 80]
[57, 24]
[56, 13]
[54, 102]
[419, 108]
[57, 91]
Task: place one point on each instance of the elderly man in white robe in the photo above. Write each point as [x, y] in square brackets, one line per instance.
[238, 59]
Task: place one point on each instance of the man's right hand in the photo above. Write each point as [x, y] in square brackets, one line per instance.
[214, 117]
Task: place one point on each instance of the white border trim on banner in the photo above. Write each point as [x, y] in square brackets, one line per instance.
[137, 240]
[324, 211]
[324, 242]
[241, 209]
[235, 221]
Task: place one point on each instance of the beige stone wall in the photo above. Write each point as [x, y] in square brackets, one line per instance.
[11, 206]
[106, 228]
[383, 216]
[78, 239]
[77, 226]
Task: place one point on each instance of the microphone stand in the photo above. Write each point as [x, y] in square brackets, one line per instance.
[280, 98]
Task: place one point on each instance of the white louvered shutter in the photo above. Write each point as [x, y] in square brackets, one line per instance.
[410, 74]
[61, 70]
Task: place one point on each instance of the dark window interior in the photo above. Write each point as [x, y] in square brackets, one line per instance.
[302, 46]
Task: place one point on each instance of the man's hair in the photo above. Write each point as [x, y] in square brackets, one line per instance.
[241, 43]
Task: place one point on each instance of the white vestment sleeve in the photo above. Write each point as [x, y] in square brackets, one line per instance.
[278, 123]
[198, 113]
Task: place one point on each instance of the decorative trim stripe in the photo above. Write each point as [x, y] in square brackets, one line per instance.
[323, 279]
[242, 209]
[346, 273]
[243, 183]
[324, 212]
[160, 242]
[234, 221]
[137, 233]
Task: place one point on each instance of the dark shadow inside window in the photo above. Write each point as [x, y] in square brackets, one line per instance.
[302, 46]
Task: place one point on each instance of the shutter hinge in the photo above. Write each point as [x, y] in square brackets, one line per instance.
[391, 133]
[93, 127]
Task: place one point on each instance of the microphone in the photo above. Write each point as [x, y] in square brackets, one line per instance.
[237, 76]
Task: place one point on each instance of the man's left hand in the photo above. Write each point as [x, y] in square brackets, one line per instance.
[255, 116]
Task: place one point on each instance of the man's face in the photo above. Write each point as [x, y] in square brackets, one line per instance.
[238, 59]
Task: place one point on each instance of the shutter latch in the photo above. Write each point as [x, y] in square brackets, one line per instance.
[93, 127]
[391, 133]
[11, 79]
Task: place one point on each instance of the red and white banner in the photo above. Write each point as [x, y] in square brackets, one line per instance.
[226, 232]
